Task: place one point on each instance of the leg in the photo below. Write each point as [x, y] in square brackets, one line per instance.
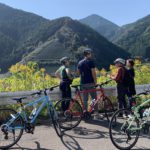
[94, 96]
[121, 97]
[85, 100]
[68, 95]
[64, 96]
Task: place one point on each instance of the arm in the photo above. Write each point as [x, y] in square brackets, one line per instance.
[78, 72]
[94, 75]
[57, 74]
[93, 70]
[118, 76]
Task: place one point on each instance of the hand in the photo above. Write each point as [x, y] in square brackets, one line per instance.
[109, 76]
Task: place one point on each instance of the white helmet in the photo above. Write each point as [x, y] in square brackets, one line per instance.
[120, 60]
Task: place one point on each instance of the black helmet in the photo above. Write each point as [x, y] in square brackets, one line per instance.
[87, 51]
[64, 59]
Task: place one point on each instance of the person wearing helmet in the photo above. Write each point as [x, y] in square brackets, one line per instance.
[121, 83]
[64, 74]
[87, 72]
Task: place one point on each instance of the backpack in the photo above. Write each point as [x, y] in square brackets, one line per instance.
[127, 79]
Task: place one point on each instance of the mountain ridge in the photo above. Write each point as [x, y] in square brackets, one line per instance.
[135, 37]
[103, 26]
[31, 37]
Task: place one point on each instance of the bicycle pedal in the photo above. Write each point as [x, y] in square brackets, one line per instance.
[87, 115]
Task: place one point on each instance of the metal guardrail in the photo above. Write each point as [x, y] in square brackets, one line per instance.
[5, 97]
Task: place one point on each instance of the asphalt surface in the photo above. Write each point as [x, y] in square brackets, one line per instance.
[89, 135]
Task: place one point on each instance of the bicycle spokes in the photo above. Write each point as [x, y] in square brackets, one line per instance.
[11, 128]
[124, 132]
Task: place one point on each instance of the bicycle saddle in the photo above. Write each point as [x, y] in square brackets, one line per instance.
[19, 99]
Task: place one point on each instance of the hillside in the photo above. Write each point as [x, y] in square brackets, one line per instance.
[135, 37]
[16, 26]
[101, 25]
[65, 36]
[26, 36]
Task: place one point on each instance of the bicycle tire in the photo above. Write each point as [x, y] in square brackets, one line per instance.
[5, 116]
[70, 117]
[113, 130]
[55, 123]
[107, 108]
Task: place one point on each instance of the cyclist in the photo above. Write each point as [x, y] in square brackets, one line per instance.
[87, 72]
[131, 88]
[65, 76]
[121, 83]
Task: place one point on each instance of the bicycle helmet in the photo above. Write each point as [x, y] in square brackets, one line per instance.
[64, 59]
[120, 60]
[87, 51]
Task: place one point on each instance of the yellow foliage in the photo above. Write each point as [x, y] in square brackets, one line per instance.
[30, 77]
[103, 72]
[137, 62]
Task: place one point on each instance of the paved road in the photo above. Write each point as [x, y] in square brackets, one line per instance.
[92, 135]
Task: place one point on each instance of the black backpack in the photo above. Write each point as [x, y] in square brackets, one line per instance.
[127, 79]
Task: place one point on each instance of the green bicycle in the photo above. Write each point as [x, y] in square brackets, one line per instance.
[126, 124]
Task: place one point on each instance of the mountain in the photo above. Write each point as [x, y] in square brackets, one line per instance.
[65, 36]
[29, 37]
[16, 26]
[101, 25]
[135, 37]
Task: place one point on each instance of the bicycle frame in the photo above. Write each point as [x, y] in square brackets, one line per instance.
[99, 97]
[45, 102]
[136, 116]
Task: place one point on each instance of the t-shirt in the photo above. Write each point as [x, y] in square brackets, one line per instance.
[85, 66]
[131, 72]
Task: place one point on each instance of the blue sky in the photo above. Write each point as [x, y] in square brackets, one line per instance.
[118, 11]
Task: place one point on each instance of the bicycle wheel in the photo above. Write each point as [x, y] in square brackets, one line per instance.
[10, 133]
[124, 133]
[69, 113]
[107, 108]
[55, 122]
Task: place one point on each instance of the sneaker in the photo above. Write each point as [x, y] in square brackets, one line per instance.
[125, 116]
[120, 115]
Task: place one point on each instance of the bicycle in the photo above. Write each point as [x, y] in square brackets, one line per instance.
[69, 116]
[124, 132]
[14, 123]
[106, 104]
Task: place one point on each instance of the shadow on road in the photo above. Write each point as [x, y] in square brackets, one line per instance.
[85, 133]
[25, 148]
[70, 143]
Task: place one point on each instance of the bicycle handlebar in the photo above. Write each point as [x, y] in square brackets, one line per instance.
[40, 91]
[53, 87]
[104, 83]
[143, 93]
[37, 93]
[101, 84]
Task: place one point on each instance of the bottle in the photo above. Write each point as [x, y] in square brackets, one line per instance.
[146, 113]
[33, 113]
[93, 102]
